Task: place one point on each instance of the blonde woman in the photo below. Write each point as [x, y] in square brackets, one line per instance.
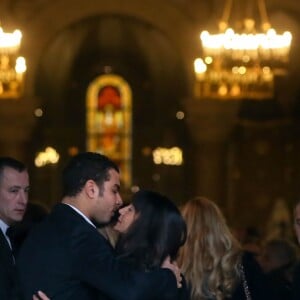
[212, 260]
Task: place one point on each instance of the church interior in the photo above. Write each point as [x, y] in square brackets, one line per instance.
[119, 77]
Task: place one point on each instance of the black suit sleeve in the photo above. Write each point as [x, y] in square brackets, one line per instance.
[96, 265]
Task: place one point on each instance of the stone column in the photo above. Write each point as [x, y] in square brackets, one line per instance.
[210, 123]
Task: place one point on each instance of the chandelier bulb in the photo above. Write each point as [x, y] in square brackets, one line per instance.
[223, 26]
[266, 26]
[249, 24]
[12, 68]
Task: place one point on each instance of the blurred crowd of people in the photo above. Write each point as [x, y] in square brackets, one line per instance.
[93, 246]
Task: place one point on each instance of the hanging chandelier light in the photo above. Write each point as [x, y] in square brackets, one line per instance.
[241, 63]
[12, 66]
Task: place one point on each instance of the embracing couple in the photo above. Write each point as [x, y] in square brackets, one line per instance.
[67, 258]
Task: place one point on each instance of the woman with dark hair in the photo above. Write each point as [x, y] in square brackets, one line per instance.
[151, 229]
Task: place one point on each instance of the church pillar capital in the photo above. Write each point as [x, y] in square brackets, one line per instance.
[211, 120]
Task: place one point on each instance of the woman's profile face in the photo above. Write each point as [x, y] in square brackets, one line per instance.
[127, 216]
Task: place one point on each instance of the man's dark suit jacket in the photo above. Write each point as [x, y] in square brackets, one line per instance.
[7, 271]
[296, 283]
[67, 258]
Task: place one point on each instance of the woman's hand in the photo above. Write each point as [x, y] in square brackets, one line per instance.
[40, 296]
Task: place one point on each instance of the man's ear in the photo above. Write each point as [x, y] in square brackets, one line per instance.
[91, 189]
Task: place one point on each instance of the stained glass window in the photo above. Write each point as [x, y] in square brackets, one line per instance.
[108, 121]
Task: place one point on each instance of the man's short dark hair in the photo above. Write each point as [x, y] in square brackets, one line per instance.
[83, 167]
[9, 162]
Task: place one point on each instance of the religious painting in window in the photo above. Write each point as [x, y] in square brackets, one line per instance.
[108, 121]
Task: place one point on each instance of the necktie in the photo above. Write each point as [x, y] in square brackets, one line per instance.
[10, 234]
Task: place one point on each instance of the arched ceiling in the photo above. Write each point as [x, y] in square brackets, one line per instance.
[174, 33]
[127, 45]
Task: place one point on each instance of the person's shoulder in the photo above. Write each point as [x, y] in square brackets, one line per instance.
[249, 260]
[257, 281]
[65, 215]
[61, 208]
[51, 223]
[248, 255]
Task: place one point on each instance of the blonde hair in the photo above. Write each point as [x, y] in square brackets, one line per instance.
[211, 256]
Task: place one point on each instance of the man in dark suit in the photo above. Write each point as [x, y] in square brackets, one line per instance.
[67, 258]
[14, 187]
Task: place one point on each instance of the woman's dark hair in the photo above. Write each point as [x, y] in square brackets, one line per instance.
[158, 231]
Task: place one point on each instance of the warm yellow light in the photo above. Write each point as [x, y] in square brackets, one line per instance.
[180, 115]
[199, 66]
[167, 156]
[235, 90]
[20, 65]
[231, 40]
[208, 60]
[235, 70]
[246, 58]
[48, 156]
[242, 64]
[223, 90]
[10, 41]
[266, 70]
[242, 70]
[11, 69]
[38, 112]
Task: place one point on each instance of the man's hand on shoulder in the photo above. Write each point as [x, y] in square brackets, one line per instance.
[40, 296]
[167, 264]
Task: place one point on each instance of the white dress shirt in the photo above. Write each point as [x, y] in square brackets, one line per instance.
[4, 227]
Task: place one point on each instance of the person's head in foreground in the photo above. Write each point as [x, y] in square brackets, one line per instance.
[14, 188]
[91, 183]
[151, 228]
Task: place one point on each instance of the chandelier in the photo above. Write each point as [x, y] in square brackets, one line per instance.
[242, 62]
[12, 66]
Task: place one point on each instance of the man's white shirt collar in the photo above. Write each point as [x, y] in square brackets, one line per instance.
[3, 227]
